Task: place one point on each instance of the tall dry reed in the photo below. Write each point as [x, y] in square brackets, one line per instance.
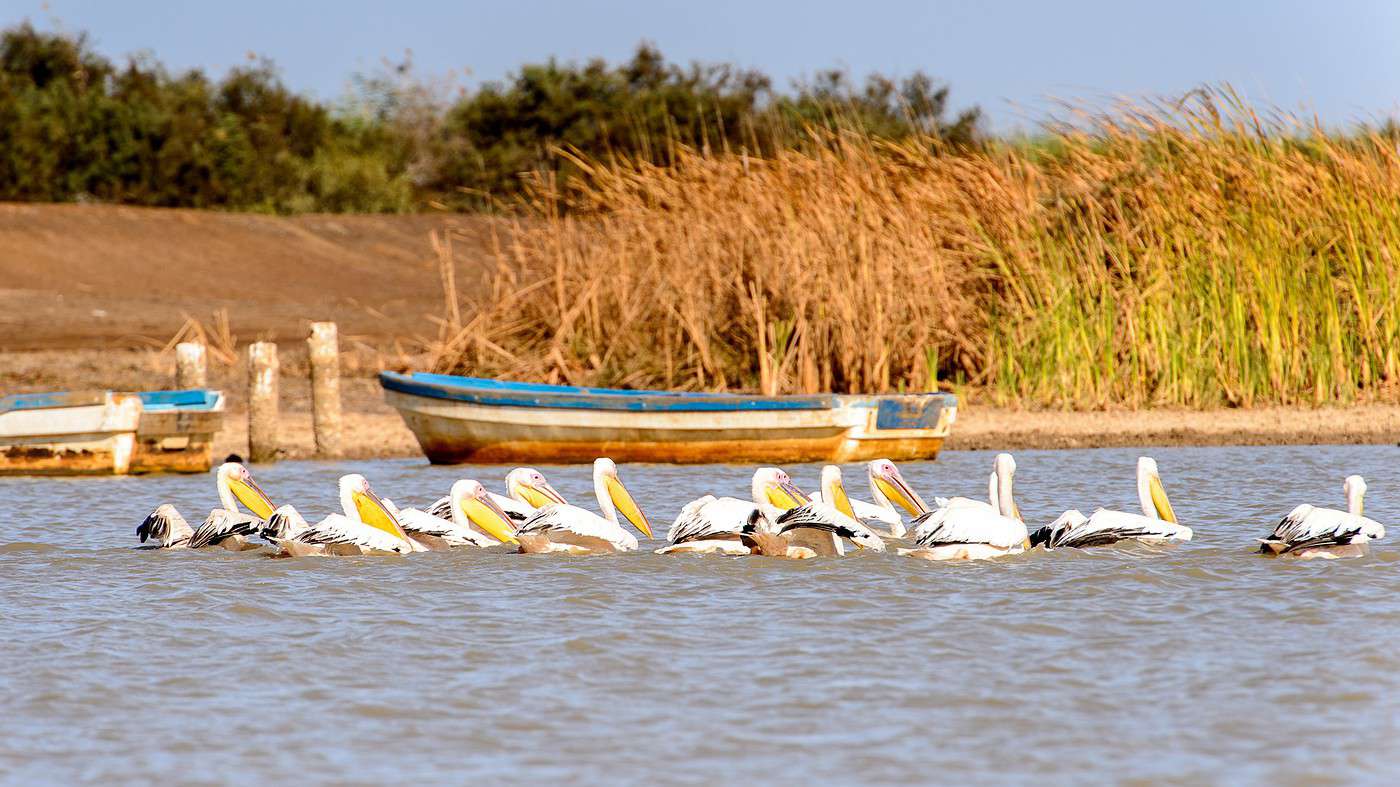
[1187, 254]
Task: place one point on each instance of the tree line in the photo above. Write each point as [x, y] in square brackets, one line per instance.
[76, 126]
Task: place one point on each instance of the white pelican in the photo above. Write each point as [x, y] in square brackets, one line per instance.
[473, 519]
[727, 524]
[836, 520]
[561, 527]
[1157, 522]
[227, 526]
[1312, 532]
[368, 526]
[965, 529]
[527, 491]
[888, 489]
[797, 528]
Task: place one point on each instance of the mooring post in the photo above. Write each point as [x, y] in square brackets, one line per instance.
[323, 349]
[262, 402]
[190, 371]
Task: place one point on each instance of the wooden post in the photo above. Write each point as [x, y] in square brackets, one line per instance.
[190, 371]
[262, 402]
[323, 350]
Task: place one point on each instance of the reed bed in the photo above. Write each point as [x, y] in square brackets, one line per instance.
[1189, 253]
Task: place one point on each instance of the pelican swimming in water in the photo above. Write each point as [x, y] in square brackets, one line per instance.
[826, 519]
[1157, 522]
[728, 525]
[561, 527]
[227, 527]
[1311, 532]
[527, 491]
[966, 529]
[887, 489]
[473, 519]
[368, 526]
[836, 519]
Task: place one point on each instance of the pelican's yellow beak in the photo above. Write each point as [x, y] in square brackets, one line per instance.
[1159, 499]
[252, 497]
[540, 495]
[786, 496]
[485, 514]
[896, 491]
[622, 500]
[841, 501]
[374, 513]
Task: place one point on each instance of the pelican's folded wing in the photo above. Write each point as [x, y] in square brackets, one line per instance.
[339, 529]
[415, 522]
[221, 524]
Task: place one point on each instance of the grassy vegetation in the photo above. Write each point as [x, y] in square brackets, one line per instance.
[1189, 254]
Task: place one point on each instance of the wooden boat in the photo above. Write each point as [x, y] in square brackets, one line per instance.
[177, 431]
[469, 419]
[108, 432]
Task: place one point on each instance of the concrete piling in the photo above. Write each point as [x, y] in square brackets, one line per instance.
[190, 368]
[323, 351]
[262, 402]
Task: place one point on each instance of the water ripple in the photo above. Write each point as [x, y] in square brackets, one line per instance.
[1146, 664]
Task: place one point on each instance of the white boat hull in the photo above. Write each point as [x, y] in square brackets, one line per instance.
[83, 434]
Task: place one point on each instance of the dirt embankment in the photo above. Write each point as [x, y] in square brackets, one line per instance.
[103, 275]
[87, 294]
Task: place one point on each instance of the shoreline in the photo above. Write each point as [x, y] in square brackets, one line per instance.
[372, 429]
[382, 435]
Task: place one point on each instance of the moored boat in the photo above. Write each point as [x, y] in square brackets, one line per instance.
[108, 432]
[177, 430]
[471, 419]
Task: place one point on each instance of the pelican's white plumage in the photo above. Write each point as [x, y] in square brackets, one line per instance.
[231, 530]
[337, 534]
[730, 526]
[821, 526]
[1311, 532]
[966, 529]
[368, 526]
[472, 518]
[527, 491]
[829, 519]
[561, 527]
[1157, 522]
[166, 526]
[712, 524]
[227, 526]
[417, 523]
[887, 488]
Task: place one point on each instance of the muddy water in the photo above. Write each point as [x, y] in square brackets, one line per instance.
[1201, 663]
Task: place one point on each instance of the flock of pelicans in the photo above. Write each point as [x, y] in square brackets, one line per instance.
[778, 520]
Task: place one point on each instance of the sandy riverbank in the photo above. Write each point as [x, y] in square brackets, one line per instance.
[374, 430]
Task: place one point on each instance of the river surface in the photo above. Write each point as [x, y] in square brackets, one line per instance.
[1190, 664]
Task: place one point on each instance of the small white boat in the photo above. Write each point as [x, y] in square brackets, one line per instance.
[470, 419]
[92, 433]
[108, 432]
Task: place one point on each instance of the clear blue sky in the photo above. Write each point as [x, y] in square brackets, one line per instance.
[1340, 59]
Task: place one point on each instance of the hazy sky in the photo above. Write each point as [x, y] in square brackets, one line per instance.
[1340, 59]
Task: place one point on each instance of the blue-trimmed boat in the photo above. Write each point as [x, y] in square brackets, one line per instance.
[109, 432]
[472, 419]
[177, 431]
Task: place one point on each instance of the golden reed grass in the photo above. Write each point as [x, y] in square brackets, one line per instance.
[1189, 253]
